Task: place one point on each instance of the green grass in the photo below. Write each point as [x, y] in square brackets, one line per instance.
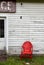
[36, 60]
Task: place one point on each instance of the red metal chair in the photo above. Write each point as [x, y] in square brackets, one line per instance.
[27, 50]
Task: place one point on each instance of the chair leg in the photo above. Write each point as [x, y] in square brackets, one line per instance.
[20, 56]
[31, 56]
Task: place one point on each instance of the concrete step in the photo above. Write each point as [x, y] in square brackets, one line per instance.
[2, 52]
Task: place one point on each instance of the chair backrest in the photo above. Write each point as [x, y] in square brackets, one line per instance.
[27, 45]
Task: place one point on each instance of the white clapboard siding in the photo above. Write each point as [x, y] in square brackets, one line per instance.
[29, 28]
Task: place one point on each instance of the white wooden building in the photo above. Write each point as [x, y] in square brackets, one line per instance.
[26, 24]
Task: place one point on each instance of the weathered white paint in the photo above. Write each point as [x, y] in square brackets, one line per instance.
[30, 27]
[7, 5]
[24, 29]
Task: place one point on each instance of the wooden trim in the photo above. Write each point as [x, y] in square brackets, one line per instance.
[31, 1]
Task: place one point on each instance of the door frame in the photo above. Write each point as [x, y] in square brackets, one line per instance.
[5, 32]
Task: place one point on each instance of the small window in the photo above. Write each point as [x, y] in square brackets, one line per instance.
[1, 28]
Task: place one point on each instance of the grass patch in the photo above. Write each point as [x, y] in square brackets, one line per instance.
[36, 60]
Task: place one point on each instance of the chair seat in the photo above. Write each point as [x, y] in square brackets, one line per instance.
[26, 52]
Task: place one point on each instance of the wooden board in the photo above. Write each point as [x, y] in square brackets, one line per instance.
[7, 6]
